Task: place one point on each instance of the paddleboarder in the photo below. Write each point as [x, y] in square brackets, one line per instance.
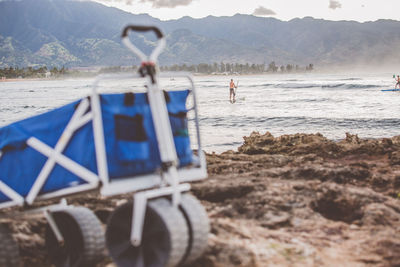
[232, 93]
[398, 81]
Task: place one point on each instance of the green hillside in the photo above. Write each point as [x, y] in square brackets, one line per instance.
[78, 33]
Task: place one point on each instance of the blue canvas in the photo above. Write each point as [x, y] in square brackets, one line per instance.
[131, 145]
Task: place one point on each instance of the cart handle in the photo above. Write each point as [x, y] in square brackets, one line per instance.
[156, 52]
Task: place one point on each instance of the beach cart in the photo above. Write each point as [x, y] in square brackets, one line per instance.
[114, 143]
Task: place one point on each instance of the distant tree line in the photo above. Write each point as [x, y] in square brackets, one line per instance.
[112, 69]
[31, 72]
[215, 68]
[272, 67]
[220, 68]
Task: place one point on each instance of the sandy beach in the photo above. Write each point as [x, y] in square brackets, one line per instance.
[293, 200]
[22, 79]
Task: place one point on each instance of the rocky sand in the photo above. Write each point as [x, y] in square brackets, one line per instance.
[293, 200]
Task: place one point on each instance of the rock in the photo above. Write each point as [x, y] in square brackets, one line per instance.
[274, 220]
[336, 203]
[389, 250]
[380, 214]
[302, 144]
[352, 139]
[293, 200]
[394, 158]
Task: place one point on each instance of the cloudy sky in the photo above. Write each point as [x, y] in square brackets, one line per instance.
[359, 10]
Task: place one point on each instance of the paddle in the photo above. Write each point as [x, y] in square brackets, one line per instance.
[237, 85]
[235, 91]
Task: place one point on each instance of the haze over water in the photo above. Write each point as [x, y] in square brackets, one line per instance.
[331, 104]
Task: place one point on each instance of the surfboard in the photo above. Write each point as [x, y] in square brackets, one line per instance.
[390, 90]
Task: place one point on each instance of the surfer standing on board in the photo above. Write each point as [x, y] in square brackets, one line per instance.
[232, 94]
[398, 82]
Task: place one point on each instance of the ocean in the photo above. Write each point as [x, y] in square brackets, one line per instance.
[331, 104]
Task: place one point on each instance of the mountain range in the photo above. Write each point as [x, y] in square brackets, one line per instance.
[78, 33]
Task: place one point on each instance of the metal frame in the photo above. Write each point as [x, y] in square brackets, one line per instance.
[108, 188]
[50, 219]
[54, 155]
[173, 176]
[165, 183]
[139, 208]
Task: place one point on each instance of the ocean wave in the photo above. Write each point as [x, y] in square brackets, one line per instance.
[227, 144]
[213, 86]
[298, 100]
[273, 122]
[362, 86]
[350, 79]
[263, 85]
[292, 85]
[6, 109]
[326, 86]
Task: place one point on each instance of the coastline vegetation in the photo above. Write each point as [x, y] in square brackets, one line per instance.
[31, 72]
[202, 68]
[238, 68]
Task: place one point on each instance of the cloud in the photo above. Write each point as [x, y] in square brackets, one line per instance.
[333, 4]
[167, 3]
[262, 11]
[155, 3]
[128, 2]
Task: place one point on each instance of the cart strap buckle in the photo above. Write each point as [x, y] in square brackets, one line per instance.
[148, 68]
[168, 164]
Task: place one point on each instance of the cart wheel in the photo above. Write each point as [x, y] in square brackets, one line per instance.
[83, 235]
[199, 227]
[9, 252]
[164, 237]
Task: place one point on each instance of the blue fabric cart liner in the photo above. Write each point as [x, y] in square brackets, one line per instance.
[131, 145]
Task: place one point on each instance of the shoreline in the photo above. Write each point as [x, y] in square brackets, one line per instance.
[30, 79]
[314, 72]
[23, 79]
